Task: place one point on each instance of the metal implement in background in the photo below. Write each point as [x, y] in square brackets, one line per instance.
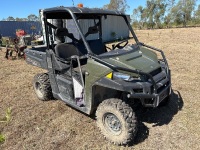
[15, 51]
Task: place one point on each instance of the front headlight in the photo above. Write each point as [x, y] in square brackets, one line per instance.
[122, 76]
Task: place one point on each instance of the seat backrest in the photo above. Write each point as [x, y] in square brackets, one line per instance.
[62, 32]
[97, 46]
[66, 50]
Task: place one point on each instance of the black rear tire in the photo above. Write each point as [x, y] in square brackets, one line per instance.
[42, 87]
[116, 121]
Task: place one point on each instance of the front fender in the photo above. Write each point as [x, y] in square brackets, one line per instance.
[105, 82]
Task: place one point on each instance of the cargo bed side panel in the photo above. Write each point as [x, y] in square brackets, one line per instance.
[36, 58]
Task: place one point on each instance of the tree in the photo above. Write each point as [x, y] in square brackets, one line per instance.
[170, 4]
[182, 11]
[197, 14]
[32, 17]
[187, 8]
[18, 19]
[159, 12]
[120, 5]
[155, 10]
[168, 18]
[139, 16]
[136, 17]
[176, 15]
[24, 19]
[10, 18]
[21, 19]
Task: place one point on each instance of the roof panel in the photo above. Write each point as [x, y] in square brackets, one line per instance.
[84, 10]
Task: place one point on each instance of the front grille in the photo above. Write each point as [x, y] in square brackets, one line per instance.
[162, 87]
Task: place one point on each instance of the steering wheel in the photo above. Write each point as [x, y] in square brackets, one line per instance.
[118, 45]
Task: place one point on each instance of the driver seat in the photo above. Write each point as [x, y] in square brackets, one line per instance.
[65, 50]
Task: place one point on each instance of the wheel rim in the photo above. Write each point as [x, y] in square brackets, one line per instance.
[38, 88]
[112, 123]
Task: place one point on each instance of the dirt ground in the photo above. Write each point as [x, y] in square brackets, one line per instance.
[37, 125]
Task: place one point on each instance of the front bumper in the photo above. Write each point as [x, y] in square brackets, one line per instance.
[152, 100]
[152, 93]
[161, 84]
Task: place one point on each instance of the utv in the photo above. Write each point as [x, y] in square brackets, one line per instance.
[97, 76]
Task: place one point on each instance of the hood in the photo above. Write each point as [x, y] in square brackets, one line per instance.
[134, 58]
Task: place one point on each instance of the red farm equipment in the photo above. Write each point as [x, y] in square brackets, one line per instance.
[16, 45]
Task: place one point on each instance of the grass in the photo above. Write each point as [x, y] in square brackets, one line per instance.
[53, 125]
[7, 117]
[2, 138]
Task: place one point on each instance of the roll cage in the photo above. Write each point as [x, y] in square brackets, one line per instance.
[76, 14]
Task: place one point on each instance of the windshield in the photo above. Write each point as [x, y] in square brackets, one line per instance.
[111, 30]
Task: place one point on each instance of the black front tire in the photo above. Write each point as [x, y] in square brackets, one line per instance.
[116, 121]
[42, 87]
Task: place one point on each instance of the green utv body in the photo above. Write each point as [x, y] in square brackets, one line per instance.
[93, 77]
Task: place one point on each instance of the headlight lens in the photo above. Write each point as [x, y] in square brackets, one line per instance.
[118, 75]
[122, 76]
